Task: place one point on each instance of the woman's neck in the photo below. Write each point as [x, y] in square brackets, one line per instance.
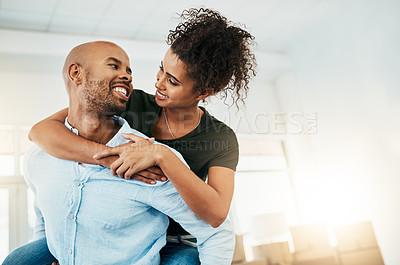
[184, 117]
[175, 123]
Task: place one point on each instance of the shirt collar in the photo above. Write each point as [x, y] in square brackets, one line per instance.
[125, 128]
[72, 129]
[117, 139]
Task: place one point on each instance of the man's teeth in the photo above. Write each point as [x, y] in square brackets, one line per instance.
[121, 90]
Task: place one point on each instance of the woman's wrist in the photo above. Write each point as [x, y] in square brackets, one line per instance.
[162, 155]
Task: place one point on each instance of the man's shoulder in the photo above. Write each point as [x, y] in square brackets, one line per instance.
[126, 128]
[37, 161]
[34, 152]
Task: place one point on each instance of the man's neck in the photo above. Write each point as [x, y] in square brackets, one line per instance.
[94, 127]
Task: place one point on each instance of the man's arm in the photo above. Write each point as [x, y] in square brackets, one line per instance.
[215, 245]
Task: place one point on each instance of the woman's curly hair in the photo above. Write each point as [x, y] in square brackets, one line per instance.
[216, 52]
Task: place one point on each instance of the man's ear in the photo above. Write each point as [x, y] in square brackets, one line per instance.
[75, 74]
[205, 94]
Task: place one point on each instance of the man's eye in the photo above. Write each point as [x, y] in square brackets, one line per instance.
[114, 66]
[161, 68]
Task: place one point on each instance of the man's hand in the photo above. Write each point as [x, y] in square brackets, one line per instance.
[107, 160]
[150, 175]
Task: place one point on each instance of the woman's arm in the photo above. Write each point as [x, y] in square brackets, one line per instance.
[54, 138]
[210, 202]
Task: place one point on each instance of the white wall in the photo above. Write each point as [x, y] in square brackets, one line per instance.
[347, 71]
[31, 86]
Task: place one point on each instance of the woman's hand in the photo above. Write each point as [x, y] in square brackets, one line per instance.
[137, 159]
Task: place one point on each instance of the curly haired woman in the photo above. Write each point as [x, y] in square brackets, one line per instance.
[208, 55]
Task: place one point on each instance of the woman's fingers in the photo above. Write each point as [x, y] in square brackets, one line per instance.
[109, 152]
[132, 137]
[122, 171]
[121, 148]
[114, 166]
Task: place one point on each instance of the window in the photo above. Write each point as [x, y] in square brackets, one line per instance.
[13, 191]
[3, 223]
[263, 206]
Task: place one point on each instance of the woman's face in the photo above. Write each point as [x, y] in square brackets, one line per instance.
[174, 86]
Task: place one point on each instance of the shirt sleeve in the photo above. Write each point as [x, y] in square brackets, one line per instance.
[215, 244]
[39, 229]
[228, 156]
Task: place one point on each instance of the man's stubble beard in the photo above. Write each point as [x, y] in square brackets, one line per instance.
[100, 100]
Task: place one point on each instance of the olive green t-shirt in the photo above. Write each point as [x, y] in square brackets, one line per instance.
[212, 143]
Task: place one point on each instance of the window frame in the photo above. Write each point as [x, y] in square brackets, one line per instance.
[283, 139]
[17, 193]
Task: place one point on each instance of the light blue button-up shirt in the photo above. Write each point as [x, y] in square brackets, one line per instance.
[91, 217]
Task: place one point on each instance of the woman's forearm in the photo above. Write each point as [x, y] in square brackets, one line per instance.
[210, 202]
[54, 138]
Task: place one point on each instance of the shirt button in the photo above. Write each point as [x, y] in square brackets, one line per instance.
[77, 184]
[69, 251]
[71, 216]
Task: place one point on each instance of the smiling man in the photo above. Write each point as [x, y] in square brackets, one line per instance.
[89, 216]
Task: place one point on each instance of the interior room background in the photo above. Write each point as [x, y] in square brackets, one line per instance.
[320, 133]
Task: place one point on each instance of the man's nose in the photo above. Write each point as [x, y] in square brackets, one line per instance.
[126, 77]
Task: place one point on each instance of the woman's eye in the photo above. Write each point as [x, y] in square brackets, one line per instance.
[172, 82]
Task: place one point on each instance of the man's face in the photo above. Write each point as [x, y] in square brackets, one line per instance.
[107, 82]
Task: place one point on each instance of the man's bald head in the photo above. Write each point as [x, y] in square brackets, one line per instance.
[82, 55]
[98, 78]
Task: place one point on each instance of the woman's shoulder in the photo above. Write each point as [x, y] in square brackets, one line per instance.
[215, 125]
[140, 99]
[216, 129]
[139, 93]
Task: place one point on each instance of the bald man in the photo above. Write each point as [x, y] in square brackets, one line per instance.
[89, 216]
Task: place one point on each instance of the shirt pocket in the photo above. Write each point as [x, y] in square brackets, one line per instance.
[110, 207]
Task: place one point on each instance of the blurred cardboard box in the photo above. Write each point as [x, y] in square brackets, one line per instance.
[355, 237]
[271, 226]
[317, 253]
[253, 262]
[310, 237]
[320, 261]
[312, 246]
[362, 257]
[239, 254]
[275, 253]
